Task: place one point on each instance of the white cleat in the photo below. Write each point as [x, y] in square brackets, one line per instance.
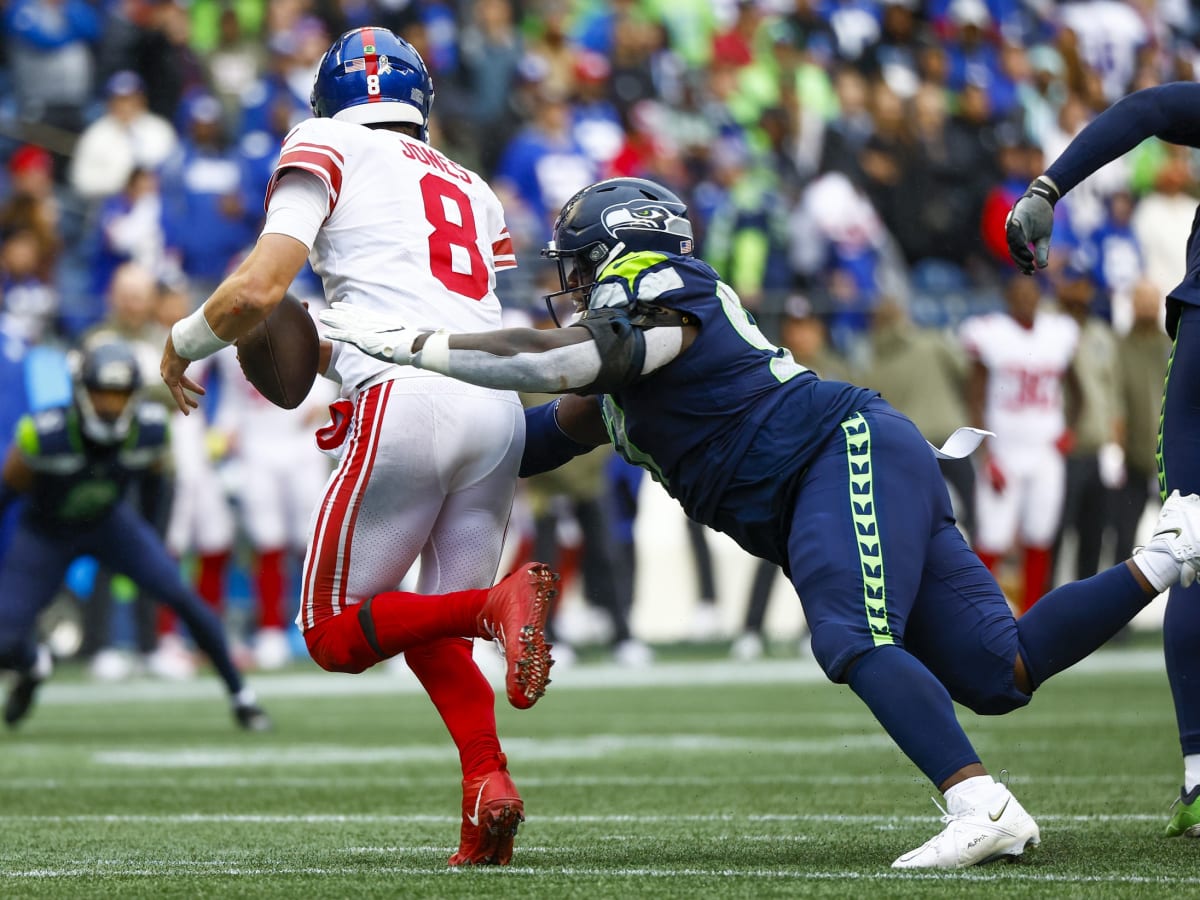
[1178, 531]
[976, 835]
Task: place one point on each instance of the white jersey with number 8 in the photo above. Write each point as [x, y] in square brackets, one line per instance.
[408, 233]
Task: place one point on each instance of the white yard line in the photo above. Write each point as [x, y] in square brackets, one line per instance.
[592, 747]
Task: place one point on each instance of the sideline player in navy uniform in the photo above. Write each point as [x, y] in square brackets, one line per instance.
[1170, 112]
[74, 464]
[820, 477]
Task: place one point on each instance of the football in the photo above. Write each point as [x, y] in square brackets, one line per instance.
[279, 355]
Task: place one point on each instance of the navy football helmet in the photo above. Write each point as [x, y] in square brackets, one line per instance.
[371, 76]
[106, 365]
[607, 219]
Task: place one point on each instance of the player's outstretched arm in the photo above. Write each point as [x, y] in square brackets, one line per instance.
[602, 355]
[1169, 111]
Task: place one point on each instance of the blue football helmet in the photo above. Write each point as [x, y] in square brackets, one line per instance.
[106, 363]
[609, 218]
[371, 76]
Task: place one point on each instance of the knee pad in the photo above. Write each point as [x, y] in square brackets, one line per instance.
[339, 645]
[994, 699]
[836, 646]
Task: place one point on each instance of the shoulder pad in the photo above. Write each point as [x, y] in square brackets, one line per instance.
[41, 429]
[644, 278]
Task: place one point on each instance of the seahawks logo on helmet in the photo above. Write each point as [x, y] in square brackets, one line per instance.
[645, 215]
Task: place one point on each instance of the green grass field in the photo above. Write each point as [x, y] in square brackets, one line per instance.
[697, 778]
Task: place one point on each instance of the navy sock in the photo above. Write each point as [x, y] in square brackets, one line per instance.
[915, 709]
[1181, 636]
[1073, 620]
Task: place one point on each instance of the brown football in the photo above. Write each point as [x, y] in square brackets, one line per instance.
[279, 355]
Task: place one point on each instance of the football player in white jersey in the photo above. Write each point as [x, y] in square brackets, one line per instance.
[428, 466]
[1021, 362]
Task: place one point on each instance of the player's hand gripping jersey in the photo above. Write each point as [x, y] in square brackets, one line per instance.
[403, 225]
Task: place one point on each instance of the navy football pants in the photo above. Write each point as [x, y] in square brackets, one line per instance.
[876, 559]
[36, 562]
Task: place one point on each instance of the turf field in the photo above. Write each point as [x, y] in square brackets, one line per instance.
[696, 778]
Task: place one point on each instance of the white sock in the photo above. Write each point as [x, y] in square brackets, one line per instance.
[1158, 565]
[245, 697]
[1191, 771]
[970, 793]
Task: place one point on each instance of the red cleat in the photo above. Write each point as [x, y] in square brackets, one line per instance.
[515, 615]
[492, 812]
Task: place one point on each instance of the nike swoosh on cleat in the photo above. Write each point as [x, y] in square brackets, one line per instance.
[474, 819]
[1175, 531]
[996, 817]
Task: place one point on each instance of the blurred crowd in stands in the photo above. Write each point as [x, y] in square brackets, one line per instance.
[848, 165]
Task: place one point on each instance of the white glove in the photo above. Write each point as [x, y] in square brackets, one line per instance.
[387, 339]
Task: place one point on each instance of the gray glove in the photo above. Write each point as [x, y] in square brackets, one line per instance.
[1030, 221]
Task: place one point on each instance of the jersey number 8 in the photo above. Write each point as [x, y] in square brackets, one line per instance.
[463, 272]
[373, 85]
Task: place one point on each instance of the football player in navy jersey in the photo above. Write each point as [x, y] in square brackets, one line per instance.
[73, 464]
[1170, 112]
[820, 477]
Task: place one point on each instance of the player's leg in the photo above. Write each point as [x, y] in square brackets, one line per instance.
[1043, 490]
[485, 436]
[30, 572]
[130, 546]
[869, 506]
[1179, 469]
[996, 513]
[962, 628]
[749, 644]
[264, 509]
[380, 508]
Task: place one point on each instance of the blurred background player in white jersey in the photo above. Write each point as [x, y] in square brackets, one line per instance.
[1020, 363]
[428, 465]
[278, 476]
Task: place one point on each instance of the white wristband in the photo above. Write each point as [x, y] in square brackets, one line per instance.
[434, 354]
[194, 338]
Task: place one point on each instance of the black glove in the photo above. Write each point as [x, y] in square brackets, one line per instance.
[1030, 221]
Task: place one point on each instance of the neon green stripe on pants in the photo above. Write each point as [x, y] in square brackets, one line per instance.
[866, 527]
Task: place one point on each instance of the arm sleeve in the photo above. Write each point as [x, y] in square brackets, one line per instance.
[297, 207]
[1169, 111]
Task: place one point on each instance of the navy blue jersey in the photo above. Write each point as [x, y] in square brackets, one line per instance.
[1170, 112]
[728, 424]
[77, 481]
